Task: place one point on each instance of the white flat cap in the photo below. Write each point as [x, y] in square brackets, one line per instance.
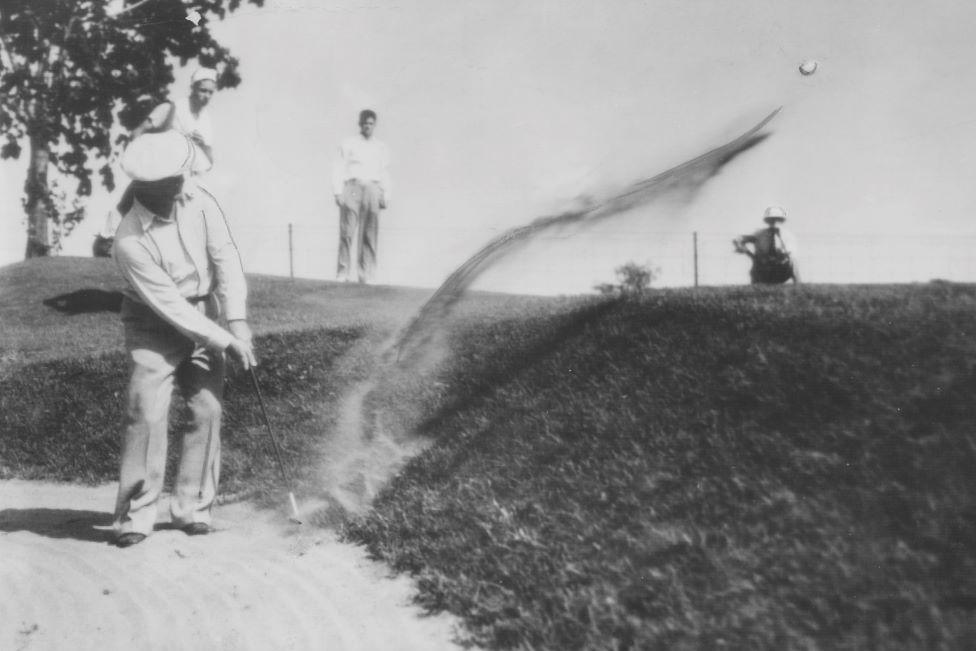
[203, 74]
[156, 156]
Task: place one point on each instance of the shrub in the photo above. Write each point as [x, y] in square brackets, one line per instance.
[632, 280]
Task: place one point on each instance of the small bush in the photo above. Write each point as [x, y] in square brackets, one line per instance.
[632, 280]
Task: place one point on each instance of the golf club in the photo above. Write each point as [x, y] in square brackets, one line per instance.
[295, 517]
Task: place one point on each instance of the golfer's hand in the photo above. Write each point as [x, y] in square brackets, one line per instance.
[383, 203]
[338, 200]
[243, 353]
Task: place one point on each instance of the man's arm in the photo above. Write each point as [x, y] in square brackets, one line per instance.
[231, 285]
[740, 244]
[204, 147]
[160, 293]
[386, 183]
[339, 174]
[154, 120]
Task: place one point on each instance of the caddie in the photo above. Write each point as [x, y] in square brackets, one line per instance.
[175, 250]
[773, 252]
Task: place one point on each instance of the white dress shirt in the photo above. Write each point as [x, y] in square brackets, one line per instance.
[187, 254]
[362, 159]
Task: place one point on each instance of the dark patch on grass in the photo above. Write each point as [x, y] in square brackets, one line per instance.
[85, 301]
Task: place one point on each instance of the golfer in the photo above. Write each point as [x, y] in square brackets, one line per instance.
[773, 251]
[361, 185]
[183, 269]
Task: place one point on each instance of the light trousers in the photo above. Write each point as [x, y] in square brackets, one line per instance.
[161, 358]
[359, 220]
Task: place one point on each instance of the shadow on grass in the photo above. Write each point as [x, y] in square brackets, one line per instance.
[86, 526]
[85, 301]
[504, 366]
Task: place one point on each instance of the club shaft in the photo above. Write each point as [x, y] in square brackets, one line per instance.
[267, 424]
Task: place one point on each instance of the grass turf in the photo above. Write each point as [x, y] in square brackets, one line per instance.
[736, 468]
[761, 469]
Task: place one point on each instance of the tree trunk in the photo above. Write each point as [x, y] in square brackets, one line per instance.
[38, 200]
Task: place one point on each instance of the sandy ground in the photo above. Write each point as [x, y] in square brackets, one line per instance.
[258, 582]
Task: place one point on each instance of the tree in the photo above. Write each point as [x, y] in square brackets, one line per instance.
[67, 67]
[632, 279]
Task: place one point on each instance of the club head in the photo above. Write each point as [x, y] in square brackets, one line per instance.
[295, 516]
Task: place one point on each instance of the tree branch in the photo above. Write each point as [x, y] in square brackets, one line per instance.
[128, 9]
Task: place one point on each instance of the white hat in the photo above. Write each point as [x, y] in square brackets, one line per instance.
[203, 74]
[774, 213]
[157, 156]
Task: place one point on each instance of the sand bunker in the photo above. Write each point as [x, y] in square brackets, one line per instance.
[256, 583]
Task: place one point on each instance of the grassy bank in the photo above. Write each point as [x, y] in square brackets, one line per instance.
[70, 429]
[714, 469]
[739, 468]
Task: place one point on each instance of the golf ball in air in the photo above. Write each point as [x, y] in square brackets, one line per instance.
[808, 67]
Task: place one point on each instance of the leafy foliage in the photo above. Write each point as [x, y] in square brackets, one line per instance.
[66, 66]
[632, 280]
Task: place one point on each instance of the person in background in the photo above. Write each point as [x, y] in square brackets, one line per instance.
[183, 270]
[188, 115]
[361, 185]
[773, 251]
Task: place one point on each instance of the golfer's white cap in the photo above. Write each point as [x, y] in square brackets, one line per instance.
[774, 213]
[203, 74]
[157, 156]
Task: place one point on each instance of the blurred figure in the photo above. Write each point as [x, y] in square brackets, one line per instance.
[773, 251]
[188, 115]
[361, 185]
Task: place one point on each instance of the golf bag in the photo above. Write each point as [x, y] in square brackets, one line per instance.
[771, 269]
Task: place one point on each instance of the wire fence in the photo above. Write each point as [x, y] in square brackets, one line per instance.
[575, 262]
[424, 257]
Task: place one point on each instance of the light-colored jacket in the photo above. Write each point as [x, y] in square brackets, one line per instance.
[187, 255]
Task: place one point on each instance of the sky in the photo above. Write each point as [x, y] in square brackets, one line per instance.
[500, 112]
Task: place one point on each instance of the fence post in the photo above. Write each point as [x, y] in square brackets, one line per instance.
[291, 254]
[694, 243]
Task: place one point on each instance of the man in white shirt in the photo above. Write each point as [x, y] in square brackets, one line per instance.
[188, 115]
[361, 185]
[183, 270]
[773, 252]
